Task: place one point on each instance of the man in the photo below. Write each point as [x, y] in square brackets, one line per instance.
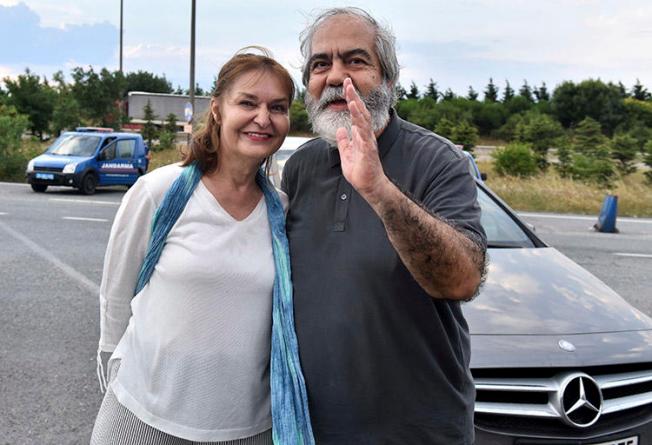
[385, 242]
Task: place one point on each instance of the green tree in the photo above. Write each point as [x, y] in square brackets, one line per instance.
[171, 123]
[465, 134]
[589, 140]
[639, 92]
[624, 149]
[445, 128]
[571, 103]
[541, 132]
[149, 131]
[147, 82]
[12, 127]
[414, 91]
[526, 92]
[66, 114]
[591, 155]
[33, 98]
[491, 92]
[432, 91]
[508, 93]
[647, 159]
[299, 122]
[448, 94]
[515, 159]
[472, 94]
[98, 94]
[541, 93]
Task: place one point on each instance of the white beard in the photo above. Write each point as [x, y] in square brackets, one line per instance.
[325, 122]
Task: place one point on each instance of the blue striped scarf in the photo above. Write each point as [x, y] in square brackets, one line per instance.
[290, 416]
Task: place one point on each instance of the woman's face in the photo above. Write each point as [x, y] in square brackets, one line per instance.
[253, 115]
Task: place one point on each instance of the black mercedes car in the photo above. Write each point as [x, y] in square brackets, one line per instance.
[557, 356]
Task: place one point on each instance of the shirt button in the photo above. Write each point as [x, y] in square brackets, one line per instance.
[343, 196]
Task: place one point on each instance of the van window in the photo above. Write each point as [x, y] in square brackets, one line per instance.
[108, 153]
[126, 148]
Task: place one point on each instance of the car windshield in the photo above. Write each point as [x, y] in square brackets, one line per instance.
[501, 229]
[75, 145]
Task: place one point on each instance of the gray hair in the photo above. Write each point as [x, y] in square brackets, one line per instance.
[385, 42]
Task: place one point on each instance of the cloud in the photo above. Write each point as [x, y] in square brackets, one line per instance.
[26, 41]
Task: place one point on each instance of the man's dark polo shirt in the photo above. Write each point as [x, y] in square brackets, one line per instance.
[384, 362]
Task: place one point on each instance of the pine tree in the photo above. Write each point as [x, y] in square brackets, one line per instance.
[508, 94]
[448, 94]
[639, 92]
[589, 140]
[647, 159]
[171, 123]
[414, 91]
[466, 135]
[526, 92]
[149, 131]
[432, 91]
[472, 94]
[491, 92]
[542, 93]
[624, 149]
[444, 128]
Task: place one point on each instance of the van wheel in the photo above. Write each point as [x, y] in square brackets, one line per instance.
[88, 184]
[39, 188]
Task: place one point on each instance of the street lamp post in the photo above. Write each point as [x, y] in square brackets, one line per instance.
[121, 27]
[192, 61]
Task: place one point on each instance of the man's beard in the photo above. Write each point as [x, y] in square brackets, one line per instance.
[325, 122]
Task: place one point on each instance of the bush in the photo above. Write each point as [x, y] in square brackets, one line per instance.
[647, 159]
[515, 160]
[588, 169]
[166, 140]
[12, 159]
[624, 149]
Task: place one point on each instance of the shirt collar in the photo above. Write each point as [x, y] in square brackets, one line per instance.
[385, 140]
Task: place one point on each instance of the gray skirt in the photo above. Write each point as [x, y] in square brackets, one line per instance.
[116, 425]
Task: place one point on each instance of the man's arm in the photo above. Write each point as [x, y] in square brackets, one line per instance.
[445, 262]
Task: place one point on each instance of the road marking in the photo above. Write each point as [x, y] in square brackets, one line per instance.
[78, 218]
[56, 262]
[3, 213]
[21, 184]
[85, 201]
[582, 218]
[634, 255]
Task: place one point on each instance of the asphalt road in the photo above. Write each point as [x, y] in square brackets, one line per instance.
[51, 254]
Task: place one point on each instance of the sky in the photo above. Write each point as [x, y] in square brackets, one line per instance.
[457, 43]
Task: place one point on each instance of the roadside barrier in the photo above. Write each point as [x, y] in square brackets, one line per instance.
[607, 218]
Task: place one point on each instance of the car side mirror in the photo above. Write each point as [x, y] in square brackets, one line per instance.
[483, 176]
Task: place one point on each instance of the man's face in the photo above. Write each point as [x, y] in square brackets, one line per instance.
[344, 47]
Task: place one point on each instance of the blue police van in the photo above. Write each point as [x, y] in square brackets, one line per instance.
[89, 157]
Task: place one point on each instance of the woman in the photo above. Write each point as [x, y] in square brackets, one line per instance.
[191, 351]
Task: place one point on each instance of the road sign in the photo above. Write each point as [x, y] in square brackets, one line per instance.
[187, 112]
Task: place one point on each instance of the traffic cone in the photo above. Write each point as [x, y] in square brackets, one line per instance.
[607, 218]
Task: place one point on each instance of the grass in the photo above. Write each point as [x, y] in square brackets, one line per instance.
[549, 192]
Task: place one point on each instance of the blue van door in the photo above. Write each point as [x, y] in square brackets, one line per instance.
[118, 165]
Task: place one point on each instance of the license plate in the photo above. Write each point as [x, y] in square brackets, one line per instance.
[44, 176]
[627, 441]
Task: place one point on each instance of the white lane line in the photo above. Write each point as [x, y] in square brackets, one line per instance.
[84, 201]
[79, 218]
[56, 262]
[3, 213]
[582, 218]
[21, 184]
[634, 255]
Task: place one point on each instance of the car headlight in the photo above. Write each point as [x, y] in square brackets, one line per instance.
[30, 166]
[70, 168]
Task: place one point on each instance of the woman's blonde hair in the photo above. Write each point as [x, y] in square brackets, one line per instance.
[205, 144]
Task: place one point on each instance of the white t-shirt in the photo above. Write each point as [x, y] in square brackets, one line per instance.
[196, 344]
